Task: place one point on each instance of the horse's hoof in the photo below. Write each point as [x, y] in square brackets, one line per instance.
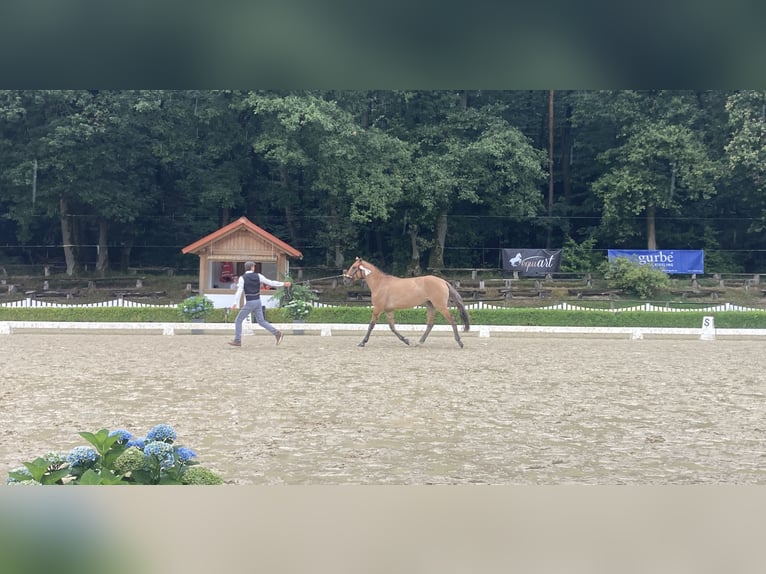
[360, 345]
[406, 341]
[460, 343]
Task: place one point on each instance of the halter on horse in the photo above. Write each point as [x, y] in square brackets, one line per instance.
[390, 293]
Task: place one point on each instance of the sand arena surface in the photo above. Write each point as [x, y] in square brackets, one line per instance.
[509, 409]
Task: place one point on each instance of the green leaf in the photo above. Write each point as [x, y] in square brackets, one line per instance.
[101, 440]
[38, 468]
[142, 477]
[20, 476]
[166, 480]
[90, 477]
[55, 476]
[111, 478]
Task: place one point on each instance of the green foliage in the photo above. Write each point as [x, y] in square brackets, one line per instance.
[169, 314]
[118, 458]
[199, 475]
[196, 307]
[580, 256]
[297, 301]
[632, 277]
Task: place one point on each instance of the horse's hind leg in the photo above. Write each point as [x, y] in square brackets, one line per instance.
[447, 315]
[390, 315]
[429, 322]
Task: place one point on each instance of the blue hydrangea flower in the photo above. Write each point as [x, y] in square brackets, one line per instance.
[138, 442]
[124, 435]
[163, 451]
[82, 456]
[164, 433]
[185, 454]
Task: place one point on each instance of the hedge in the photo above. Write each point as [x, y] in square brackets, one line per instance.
[516, 316]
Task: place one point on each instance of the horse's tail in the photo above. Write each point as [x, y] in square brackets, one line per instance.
[460, 306]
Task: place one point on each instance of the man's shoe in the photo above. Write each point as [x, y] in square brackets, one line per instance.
[279, 336]
[235, 343]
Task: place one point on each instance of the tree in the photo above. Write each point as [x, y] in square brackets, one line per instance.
[326, 162]
[463, 156]
[658, 162]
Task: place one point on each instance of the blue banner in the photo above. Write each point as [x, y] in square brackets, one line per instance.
[671, 261]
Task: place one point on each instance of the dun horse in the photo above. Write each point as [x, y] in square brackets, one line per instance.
[390, 293]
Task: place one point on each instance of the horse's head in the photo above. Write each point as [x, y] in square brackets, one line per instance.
[355, 272]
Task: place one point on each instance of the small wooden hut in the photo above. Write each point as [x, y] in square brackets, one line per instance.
[222, 256]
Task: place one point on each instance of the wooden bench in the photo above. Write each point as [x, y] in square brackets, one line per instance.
[592, 293]
[525, 293]
[139, 294]
[170, 271]
[698, 293]
[115, 282]
[472, 292]
[473, 270]
[359, 295]
[69, 294]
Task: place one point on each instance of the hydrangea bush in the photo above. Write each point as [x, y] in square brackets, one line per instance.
[196, 307]
[297, 301]
[118, 457]
[298, 309]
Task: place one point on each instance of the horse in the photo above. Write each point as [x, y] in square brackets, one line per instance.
[390, 293]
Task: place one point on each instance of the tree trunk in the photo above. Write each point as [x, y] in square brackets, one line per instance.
[566, 165]
[436, 260]
[651, 231]
[550, 170]
[289, 216]
[66, 237]
[413, 268]
[339, 258]
[566, 155]
[125, 256]
[102, 261]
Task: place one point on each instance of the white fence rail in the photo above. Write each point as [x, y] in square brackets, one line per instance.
[119, 302]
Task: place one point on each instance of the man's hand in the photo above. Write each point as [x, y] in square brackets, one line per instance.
[234, 307]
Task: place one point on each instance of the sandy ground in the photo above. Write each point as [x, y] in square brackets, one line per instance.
[512, 410]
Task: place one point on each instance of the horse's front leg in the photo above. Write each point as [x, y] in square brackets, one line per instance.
[370, 327]
[390, 316]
